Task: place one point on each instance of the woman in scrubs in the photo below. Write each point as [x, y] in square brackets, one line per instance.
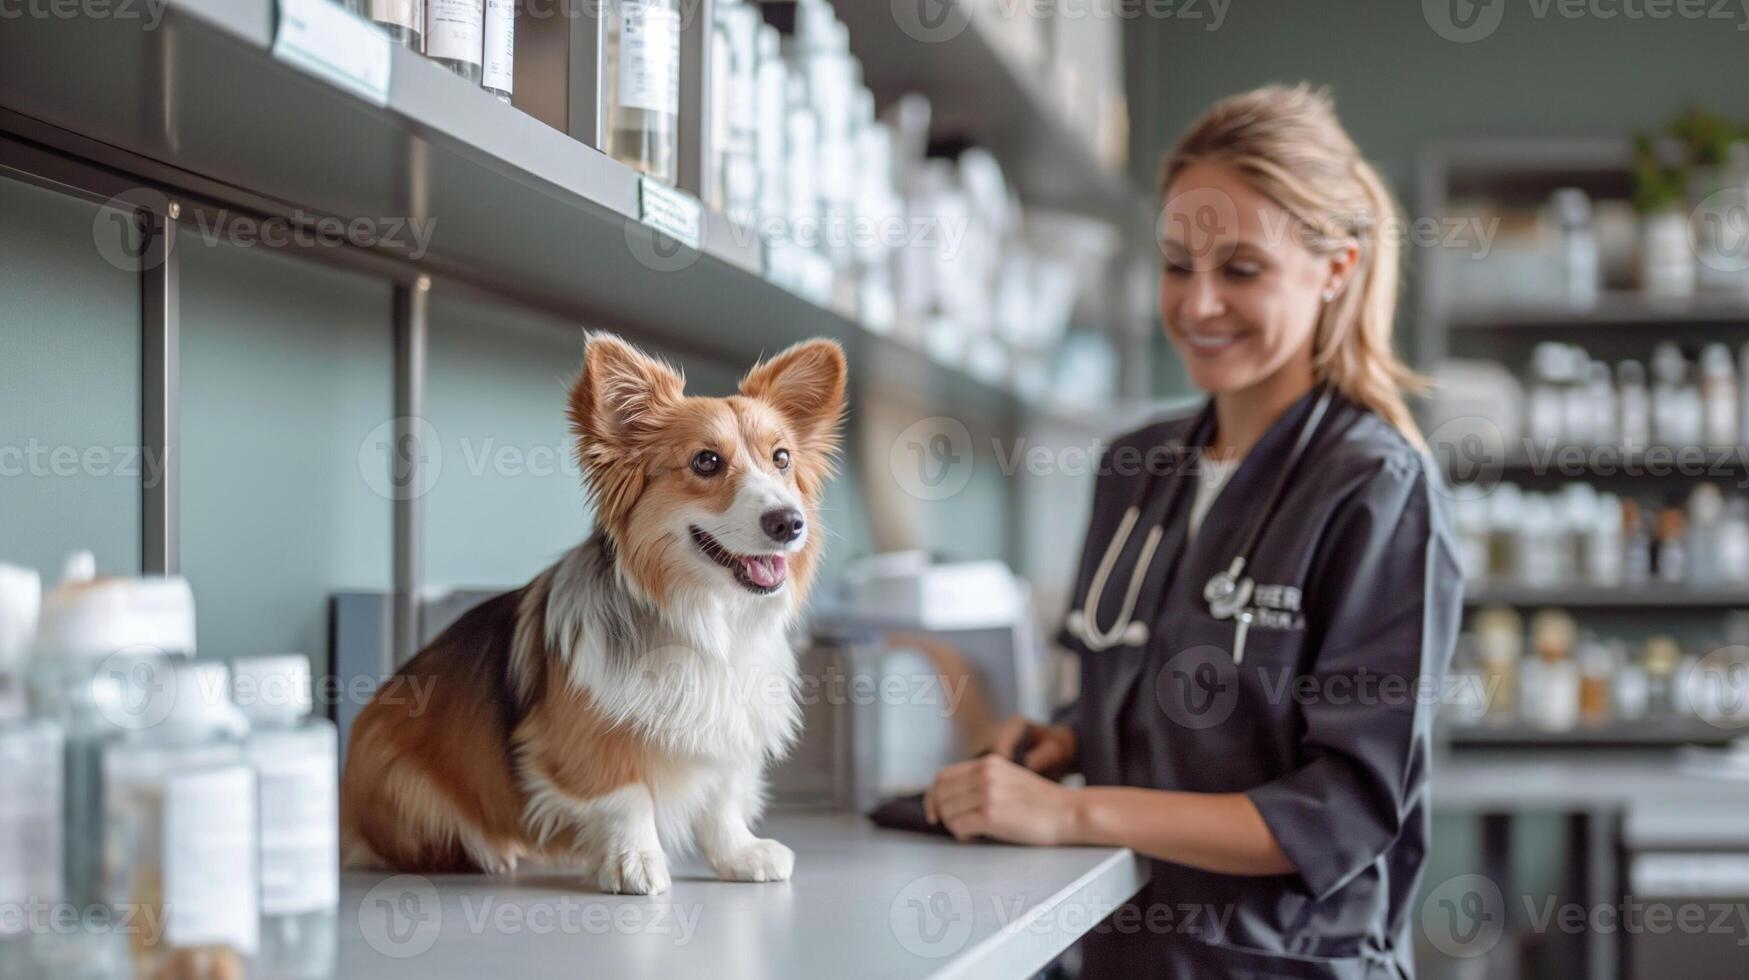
[1269, 753]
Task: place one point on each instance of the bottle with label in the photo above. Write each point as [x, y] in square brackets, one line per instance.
[1634, 422]
[641, 86]
[454, 32]
[498, 59]
[772, 81]
[735, 108]
[99, 671]
[297, 768]
[30, 788]
[1554, 705]
[1676, 403]
[1718, 395]
[402, 20]
[181, 841]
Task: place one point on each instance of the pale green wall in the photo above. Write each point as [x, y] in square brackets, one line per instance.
[285, 372]
[69, 384]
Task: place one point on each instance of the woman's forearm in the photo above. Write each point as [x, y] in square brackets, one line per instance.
[1219, 832]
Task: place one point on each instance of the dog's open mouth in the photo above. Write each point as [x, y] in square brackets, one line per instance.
[763, 574]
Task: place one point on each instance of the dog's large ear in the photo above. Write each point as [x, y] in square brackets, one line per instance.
[806, 385]
[621, 394]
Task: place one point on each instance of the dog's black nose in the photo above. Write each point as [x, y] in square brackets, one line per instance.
[782, 525]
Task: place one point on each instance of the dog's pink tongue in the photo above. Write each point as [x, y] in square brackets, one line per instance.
[766, 571]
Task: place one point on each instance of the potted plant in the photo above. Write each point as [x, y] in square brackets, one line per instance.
[1660, 195]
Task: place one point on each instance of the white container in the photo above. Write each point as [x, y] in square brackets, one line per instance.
[455, 35]
[103, 648]
[297, 766]
[1666, 258]
[642, 85]
[498, 54]
[180, 815]
[30, 784]
[402, 20]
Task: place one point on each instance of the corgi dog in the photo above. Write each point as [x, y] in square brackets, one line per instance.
[623, 705]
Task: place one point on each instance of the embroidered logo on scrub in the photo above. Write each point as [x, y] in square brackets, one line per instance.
[1277, 607]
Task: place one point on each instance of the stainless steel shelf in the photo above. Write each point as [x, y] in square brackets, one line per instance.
[1639, 597]
[1613, 735]
[1611, 310]
[979, 92]
[199, 106]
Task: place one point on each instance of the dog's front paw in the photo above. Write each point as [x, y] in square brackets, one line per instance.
[634, 873]
[762, 860]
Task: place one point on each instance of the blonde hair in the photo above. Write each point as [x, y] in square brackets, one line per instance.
[1288, 144]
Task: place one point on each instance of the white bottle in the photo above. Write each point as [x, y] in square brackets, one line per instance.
[30, 787]
[181, 844]
[642, 90]
[1604, 559]
[498, 55]
[1603, 406]
[296, 763]
[402, 20]
[454, 35]
[772, 82]
[1734, 543]
[100, 671]
[1548, 413]
[1634, 422]
[1718, 392]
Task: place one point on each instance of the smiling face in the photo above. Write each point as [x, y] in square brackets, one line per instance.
[1241, 291]
[717, 493]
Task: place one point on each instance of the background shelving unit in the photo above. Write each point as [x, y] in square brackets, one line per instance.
[1618, 325]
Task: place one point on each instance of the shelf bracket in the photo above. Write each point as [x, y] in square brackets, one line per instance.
[160, 391]
[406, 464]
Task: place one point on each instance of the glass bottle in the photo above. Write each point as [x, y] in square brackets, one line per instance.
[735, 108]
[1718, 395]
[773, 88]
[1596, 679]
[1500, 649]
[1555, 703]
[1676, 404]
[100, 671]
[498, 55]
[454, 35]
[1662, 656]
[181, 845]
[1635, 419]
[30, 789]
[641, 85]
[297, 766]
[402, 20]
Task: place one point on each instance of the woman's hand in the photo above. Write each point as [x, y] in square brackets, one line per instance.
[993, 797]
[1052, 752]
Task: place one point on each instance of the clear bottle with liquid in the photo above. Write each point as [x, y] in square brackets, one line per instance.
[181, 844]
[402, 20]
[99, 671]
[498, 57]
[641, 85]
[30, 790]
[1634, 421]
[1676, 401]
[455, 35]
[297, 767]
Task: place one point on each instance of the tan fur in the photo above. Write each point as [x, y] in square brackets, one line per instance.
[439, 787]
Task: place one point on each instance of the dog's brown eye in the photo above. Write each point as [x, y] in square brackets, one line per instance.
[781, 458]
[707, 463]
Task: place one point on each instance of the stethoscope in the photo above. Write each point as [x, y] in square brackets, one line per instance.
[1227, 592]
